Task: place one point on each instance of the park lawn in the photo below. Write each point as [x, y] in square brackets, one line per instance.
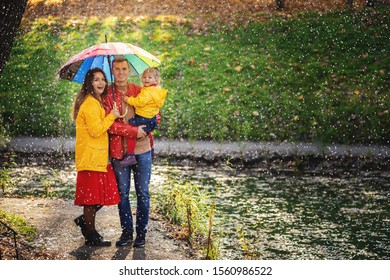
[314, 77]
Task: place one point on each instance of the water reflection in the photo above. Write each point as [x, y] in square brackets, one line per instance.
[298, 216]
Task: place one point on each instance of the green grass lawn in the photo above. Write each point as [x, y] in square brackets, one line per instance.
[315, 77]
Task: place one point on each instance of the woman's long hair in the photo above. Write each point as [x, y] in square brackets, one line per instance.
[86, 89]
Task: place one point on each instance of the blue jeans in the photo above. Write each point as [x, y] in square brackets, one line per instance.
[151, 124]
[141, 172]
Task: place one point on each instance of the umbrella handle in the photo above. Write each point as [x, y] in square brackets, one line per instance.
[123, 115]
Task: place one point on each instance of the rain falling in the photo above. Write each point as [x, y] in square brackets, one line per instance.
[273, 142]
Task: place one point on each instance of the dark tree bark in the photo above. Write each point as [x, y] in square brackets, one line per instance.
[11, 13]
[280, 4]
[349, 3]
[373, 3]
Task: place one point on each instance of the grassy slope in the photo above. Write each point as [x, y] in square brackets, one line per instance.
[310, 78]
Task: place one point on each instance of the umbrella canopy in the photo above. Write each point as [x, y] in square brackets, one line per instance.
[101, 56]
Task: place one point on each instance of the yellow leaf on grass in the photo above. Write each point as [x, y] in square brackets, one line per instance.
[192, 61]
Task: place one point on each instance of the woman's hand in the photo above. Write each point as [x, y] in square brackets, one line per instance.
[115, 111]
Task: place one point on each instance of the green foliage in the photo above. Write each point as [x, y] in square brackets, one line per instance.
[5, 179]
[5, 176]
[250, 243]
[316, 77]
[184, 204]
[4, 133]
[18, 224]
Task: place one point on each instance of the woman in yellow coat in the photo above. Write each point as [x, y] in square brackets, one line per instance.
[96, 184]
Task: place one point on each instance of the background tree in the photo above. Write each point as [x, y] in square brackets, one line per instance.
[11, 13]
[280, 4]
[372, 3]
[349, 3]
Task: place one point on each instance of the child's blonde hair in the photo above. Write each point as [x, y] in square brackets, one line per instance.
[154, 71]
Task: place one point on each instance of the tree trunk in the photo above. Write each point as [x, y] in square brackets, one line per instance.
[280, 4]
[11, 13]
[349, 3]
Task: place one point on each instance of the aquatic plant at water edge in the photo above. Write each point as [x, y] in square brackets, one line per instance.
[184, 204]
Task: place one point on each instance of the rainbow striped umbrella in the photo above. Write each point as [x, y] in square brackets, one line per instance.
[101, 56]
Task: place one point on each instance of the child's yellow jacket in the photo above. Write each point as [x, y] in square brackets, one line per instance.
[148, 102]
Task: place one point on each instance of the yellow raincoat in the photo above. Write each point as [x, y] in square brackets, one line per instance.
[91, 136]
[148, 102]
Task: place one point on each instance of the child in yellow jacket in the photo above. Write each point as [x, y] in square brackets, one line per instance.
[147, 105]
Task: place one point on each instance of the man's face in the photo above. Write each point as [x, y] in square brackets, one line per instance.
[121, 71]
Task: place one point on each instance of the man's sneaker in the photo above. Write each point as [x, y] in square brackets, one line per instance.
[126, 238]
[139, 241]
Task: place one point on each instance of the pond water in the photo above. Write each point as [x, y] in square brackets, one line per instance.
[298, 216]
[273, 215]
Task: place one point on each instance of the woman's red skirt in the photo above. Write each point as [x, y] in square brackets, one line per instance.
[93, 187]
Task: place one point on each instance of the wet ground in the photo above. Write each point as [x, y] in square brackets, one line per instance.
[53, 219]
